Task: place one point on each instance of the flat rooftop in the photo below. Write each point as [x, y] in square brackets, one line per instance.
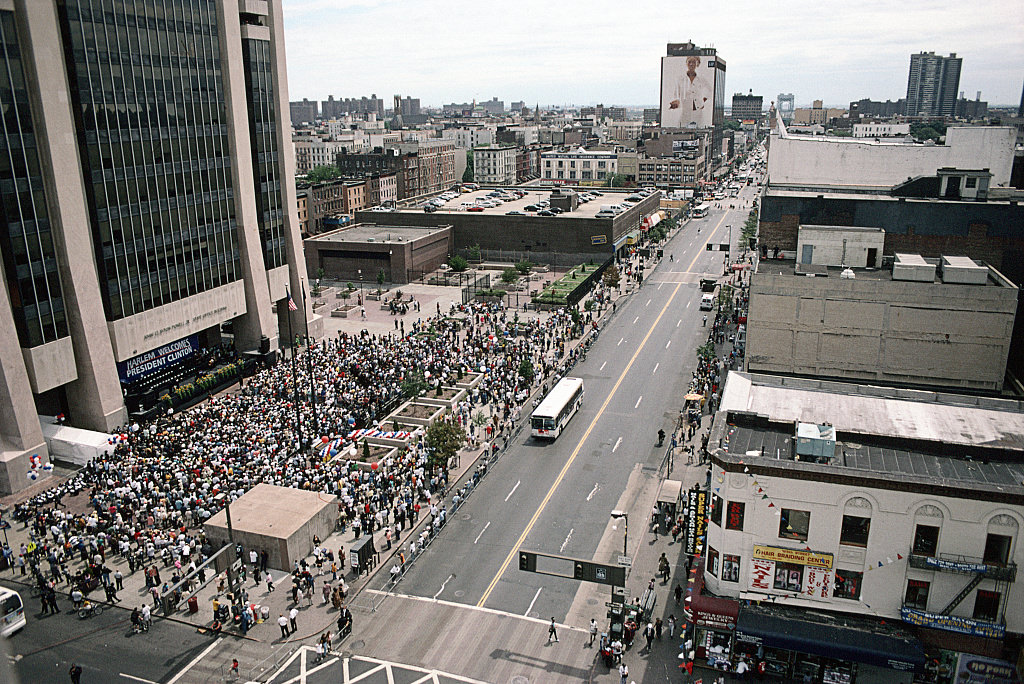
[461, 204]
[369, 232]
[789, 267]
[909, 435]
[878, 193]
[273, 511]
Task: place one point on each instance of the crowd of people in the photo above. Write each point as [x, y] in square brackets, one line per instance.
[149, 495]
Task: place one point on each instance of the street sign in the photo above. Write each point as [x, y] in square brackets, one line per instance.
[237, 565]
[625, 561]
[4, 525]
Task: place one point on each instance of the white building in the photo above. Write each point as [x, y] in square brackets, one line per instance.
[892, 503]
[817, 161]
[577, 166]
[312, 151]
[880, 130]
[469, 137]
[495, 165]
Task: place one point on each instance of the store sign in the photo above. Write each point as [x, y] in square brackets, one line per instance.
[781, 555]
[696, 518]
[598, 239]
[952, 623]
[954, 566]
[168, 355]
[761, 573]
[817, 583]
[703, 618]
[973, 668]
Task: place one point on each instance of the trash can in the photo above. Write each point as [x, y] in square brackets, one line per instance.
[193, 605]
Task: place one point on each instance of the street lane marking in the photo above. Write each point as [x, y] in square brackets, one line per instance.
[206, 652]
[617, 443]
[660, 284]
[679, 322]
[602, 366]
[518, 482]
[647, 304]
[561, 549]
[590, 428]
[443, 585]
[620, 341]
[527, 613]
[655, 368]
[137, 679]
[482, 532]
[687, 305]
[639, 399]
[667, 344]
[635, 320]
[592, 491]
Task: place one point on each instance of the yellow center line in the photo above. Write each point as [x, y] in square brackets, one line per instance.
[590, 428]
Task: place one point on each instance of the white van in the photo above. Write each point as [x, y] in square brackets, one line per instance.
[707, 301]
[12, 612]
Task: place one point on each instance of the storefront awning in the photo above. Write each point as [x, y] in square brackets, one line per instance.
[828, 636]
[709, 611]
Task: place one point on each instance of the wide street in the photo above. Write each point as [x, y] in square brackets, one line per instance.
[555, 497]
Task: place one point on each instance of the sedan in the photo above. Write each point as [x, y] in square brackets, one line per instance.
[475, 209]
[545, 212]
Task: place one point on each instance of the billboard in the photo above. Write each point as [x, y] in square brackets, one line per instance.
[687, 91]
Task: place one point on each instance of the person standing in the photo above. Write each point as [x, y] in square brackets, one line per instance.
[292, 615]
[552, 634]
[75, 672]
[270, 582]
[282, 622]
[593, 631]
[623, 673]
[671, 626]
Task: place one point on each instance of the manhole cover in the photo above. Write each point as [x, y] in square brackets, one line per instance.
[460, 593]
[467, 516]
[592, 602]
[357, 644]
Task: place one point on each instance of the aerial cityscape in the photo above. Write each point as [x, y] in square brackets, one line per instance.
[394, 342]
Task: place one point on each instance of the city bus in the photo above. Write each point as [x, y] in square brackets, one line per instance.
[562, 402]
[12, 612]
[701, 210]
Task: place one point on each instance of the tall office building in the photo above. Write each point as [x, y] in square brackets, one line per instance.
[693, 90]
[933, 84]
[147, 200]
[747, 107]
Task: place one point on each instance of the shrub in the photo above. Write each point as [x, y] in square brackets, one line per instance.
[458, 263]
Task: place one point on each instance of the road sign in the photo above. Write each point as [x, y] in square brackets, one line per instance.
[625, 561]
[237, 565]
[4, 525]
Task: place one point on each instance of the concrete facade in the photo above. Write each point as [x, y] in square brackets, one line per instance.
[872, 328]
[817, 161]
[841, 246]
[495, 164]
[279, 520]
[402, 252]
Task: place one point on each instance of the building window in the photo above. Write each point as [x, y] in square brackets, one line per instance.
[794, 524]
[986, 605]
[734, 515]
[730, 568]
[855, 531]
[917, 594]
[926, 540]
[997, 549]
[601, 164]
[712, 561]
[716, 509]
[789, 577]
[847, 584]
[971, 182]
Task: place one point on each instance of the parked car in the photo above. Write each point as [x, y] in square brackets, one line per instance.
[514, 213]
[545, 212]
[475, 209]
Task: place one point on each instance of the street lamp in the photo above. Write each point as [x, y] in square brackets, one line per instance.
[360, 287]
[625, 528]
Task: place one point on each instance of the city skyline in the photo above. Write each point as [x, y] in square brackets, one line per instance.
[450, 52]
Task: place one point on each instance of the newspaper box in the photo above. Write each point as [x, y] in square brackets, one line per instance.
[361, 555]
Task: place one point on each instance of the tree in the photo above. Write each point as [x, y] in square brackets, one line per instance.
[731, 125]
[467, 175]
[444, 438]
[616, 180]
[509, 275]
[474, 253]
[526, 370]
[366, 450]
[326, 172]
[414, 383]
[524, 266]
[381, 277]
[458, 263]
[611, 276]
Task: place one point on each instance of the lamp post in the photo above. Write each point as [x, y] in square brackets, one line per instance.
[625, 528]
[295, 377]
[360, 287]
[309, 364]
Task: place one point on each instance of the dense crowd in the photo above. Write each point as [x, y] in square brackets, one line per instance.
[149, 495]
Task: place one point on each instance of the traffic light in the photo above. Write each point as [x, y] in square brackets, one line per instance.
[709, 247]
[577, 572]
[527, 561]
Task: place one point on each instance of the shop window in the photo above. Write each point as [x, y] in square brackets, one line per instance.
[986, 605]
[789, 577]
[730, 568]
[794, 524]
[855, 531]
[716, 509]
[847, 584]
[917, 594]
[712, 562]
[926, 540]
[734, 515]
[997, 549]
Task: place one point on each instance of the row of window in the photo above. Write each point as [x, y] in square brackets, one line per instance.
[855, 530]
[585, 165]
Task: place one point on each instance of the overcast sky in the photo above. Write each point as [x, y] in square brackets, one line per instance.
[590, 51]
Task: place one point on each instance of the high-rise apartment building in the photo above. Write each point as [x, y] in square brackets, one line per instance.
[304, 111]
[147, 200]
[933, 84]
[746, 107]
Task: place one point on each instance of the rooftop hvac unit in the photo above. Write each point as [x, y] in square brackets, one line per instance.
[815, 442]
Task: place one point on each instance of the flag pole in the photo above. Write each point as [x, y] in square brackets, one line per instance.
[295, 378]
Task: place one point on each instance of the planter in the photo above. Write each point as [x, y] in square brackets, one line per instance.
[416, 413]
[470, 380]
[343, 311]
[450, 397]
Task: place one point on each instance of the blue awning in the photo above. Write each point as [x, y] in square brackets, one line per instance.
[832, 637]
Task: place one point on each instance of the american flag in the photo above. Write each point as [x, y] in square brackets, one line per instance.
[291, 304]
